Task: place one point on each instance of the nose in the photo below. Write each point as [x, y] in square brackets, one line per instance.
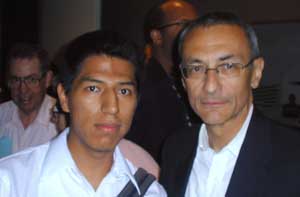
[110, 103]
[23, 86]
[211, 81]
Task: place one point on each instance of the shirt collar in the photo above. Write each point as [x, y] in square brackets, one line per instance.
[120, 167]
[44, 113]
[235, 144]
[59, 151]
[43, 116]
[58, 156]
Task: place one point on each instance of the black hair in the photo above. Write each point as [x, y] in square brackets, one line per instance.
[29, 51]
[100, 42]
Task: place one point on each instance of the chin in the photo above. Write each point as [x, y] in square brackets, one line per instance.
[214, 120]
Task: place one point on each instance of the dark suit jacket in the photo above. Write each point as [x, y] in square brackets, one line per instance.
[268, 164]
[159, 112]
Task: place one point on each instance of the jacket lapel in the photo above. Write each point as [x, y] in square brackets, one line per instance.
[186, 159]
[250, 172]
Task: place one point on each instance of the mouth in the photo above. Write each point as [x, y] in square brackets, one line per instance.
[213, 103]
[108, 127]
[24, 101]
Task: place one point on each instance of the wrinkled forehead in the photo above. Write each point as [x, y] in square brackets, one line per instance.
[208, 40]
[24, 66]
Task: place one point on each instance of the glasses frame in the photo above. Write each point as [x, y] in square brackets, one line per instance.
[217, 68]
[25, 79]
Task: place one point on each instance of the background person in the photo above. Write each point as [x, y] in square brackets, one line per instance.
[25, 119]
[162, 106]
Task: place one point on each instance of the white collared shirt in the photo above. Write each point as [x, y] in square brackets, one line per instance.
[49, 170]
[211, 171]
[40, 131]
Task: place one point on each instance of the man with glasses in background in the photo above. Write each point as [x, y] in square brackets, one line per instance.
[162, 105]
[25, 120]
[237, 151]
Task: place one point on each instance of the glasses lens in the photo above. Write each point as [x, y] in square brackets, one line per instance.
[229, 70]
[30, 81]
[194, 71]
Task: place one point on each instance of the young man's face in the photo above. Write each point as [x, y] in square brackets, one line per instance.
[101, 103]
[27, 84]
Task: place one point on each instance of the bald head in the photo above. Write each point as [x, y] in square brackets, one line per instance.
[177, 10]
[166, 13]
[163, 24]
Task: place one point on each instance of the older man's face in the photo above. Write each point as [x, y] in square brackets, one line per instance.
[27, 84]
[220, 100]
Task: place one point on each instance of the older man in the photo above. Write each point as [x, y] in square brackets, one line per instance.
[236, 152]
[25, 120]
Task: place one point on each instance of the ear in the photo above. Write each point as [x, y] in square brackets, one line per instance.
[63, 98]
[49, 78]
[258, 67]
[183, 83]
[156, 37]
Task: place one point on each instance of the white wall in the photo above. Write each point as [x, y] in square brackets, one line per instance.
[63, 20]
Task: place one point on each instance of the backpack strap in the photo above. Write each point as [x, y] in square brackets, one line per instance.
[143, 179]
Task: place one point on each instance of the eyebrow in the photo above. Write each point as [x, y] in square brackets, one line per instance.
[222, 58]
[193, 60]
[90, 79]
[226, 57]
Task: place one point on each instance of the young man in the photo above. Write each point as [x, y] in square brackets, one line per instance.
[99, 89]
[236, 152]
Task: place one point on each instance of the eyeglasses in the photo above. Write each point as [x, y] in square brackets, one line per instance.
[224, 70]
[182, 23]
[30, 81]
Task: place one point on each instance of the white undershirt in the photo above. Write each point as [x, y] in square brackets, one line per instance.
[211, 171]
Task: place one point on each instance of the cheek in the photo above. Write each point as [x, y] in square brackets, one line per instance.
[127, 109]
[193, 90]
[240, 93]
[82, 108]
[14, 92]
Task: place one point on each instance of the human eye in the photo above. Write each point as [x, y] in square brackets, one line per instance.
[92, 88]
[32, 80]
[14, 79]
[125, 91]
[197, 68]
[227, 66]
[228, 69]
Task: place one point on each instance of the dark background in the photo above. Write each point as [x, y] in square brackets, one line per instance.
[277, 24]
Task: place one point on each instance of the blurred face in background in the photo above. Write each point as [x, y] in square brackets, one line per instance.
[27, 84]
[176, 16]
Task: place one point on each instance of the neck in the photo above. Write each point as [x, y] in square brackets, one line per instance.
[164, 60]
[27, 118]
[220, 135]
[218, 138]
[94, 165]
